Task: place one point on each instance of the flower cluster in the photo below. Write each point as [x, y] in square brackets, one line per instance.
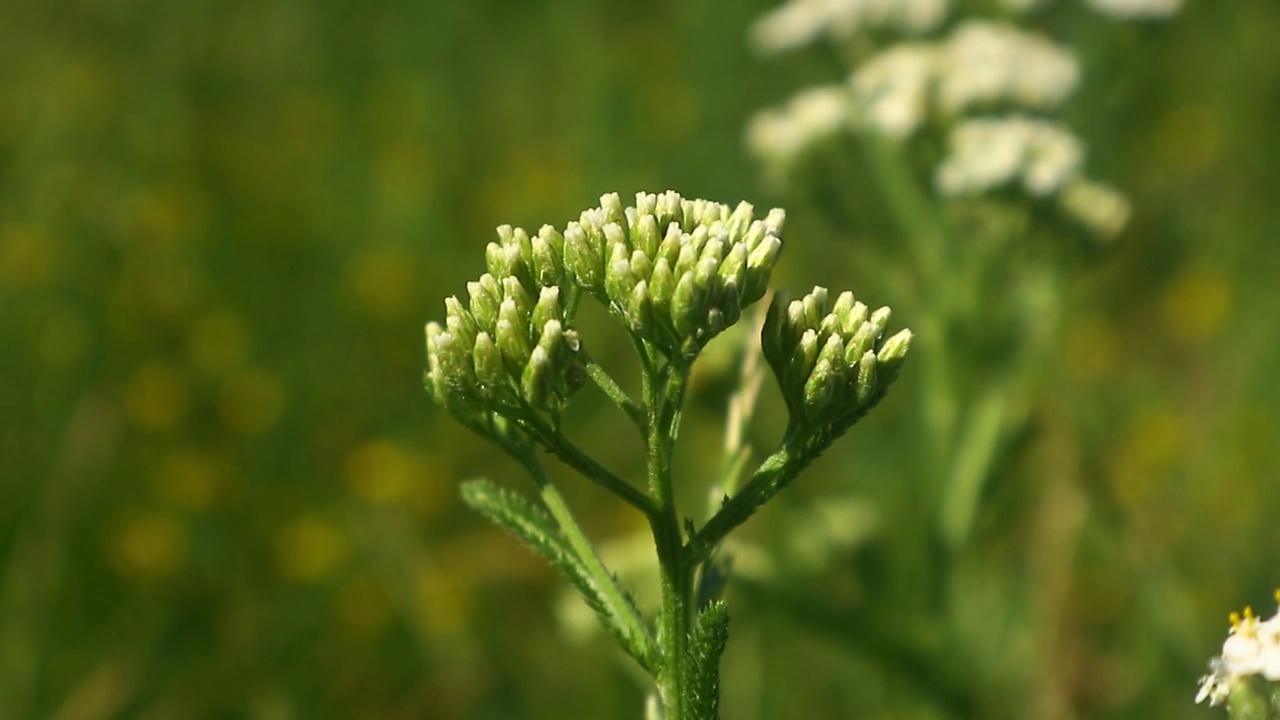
[981, 64]
[511, 343]
[677, 272]
[1252, 648]
[831, 360]
[800, 22]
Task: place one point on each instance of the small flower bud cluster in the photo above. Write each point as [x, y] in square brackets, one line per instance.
[510, 341]
[830, 358]
[676, 271]
[1252, 648]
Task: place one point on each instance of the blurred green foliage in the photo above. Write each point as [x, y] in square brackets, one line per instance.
[225, 493]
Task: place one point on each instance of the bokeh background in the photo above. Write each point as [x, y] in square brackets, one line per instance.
[224, 494]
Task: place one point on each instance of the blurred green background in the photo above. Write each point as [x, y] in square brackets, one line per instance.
[225, 494]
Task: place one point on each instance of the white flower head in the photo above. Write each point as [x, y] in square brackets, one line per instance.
[891, 90]
[1252, 648]
[986, 153]
[800, 22]
[986, 63]
[781, 134]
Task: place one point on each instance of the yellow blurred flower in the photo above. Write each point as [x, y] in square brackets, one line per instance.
[310, 547]
[382, 280]
[441, 606]
[251, 402]
[1151, 449]
[218, 341]
[191, 479]
[1196, 304]
[28, 256]
[384, 471]
[147, 547]
[363, 607]
[156, 396]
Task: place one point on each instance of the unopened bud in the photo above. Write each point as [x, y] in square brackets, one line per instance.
[644, 234]
[581, 260]
[866, 383]
[640, 308]
[536, 381]
[547, 308]
[488, 363]
[684, 306]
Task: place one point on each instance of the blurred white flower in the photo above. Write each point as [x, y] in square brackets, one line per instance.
[799, 22]
[1100, 209]
[986, 153]
[778, 135]
[1137, 9]
[1252, 647]
[985, 63]
[891, 90]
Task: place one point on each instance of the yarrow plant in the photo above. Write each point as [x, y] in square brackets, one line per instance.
[674, 273]
[1246, 676]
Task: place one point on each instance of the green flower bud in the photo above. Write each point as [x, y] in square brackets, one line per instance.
[774, 220]
[698, 238]
[705, 277]
[456, 370]
[854, 319]
[771, 342]
[714, 325]
[521, 241]
[611, 206]
[488, 363]
[512, 336]
[460, 322]
[881, 316]
[734, 267]
[713, 250]
[547, 308]
[620, 282]
[582, 259]
[662, 286]
[536, 381]
[801, 364]
[644, 233]
[547, 269]
[866, 382]
[815, 307]
[686, 261]
[760, 262]
[485, 297]
[684, 307]
[739, 221]
[820, 390]
[893, 353]
[640, 308]
[671, 244]
[496, 260]
[615, 237]
[434, 378]
[862, 342]
[646, 204]
[670, 209]
[514, 290]
[844, 304]
[641, 265]
[730, 303]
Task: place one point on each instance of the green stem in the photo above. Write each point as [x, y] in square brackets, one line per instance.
[663, 395]
[575, 458]
[773, 474]
[619, 396]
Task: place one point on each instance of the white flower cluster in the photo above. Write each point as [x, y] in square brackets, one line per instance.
[778, 135]
[800, 22]
[1251, 648]
[986, 153]
[980, 64]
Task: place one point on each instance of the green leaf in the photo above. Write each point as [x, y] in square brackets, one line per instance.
[702, 665]
[535, 527]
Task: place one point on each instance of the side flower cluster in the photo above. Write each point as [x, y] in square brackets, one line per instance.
[1252, 648]
[510, 344]
[831, 360]
[677, 272]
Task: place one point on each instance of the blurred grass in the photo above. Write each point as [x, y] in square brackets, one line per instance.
[225, 494]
